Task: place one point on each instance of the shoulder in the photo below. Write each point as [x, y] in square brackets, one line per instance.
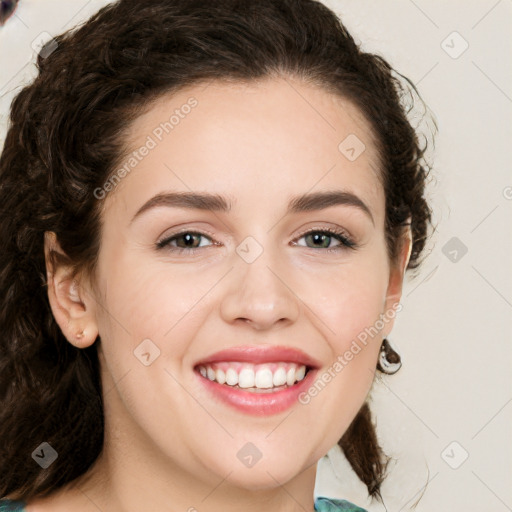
[323, 504]
[11, 506]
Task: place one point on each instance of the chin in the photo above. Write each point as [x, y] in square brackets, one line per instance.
[260, 480]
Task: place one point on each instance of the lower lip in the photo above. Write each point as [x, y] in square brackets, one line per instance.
[259, 404]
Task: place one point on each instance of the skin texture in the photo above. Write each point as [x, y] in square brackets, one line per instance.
[168, 443]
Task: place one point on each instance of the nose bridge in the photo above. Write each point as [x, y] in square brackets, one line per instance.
[260, 294]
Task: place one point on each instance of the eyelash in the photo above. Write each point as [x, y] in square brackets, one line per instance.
[345, 241]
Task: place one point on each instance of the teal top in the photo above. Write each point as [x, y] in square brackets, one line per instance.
[322, 504]
[12, 506]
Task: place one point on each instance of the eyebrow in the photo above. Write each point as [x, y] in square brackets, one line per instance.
[215, 202]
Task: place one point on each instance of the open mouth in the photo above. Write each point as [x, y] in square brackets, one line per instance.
[255, 378]
[258, 380]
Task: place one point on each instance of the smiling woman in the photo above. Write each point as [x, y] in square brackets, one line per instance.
[195, 301]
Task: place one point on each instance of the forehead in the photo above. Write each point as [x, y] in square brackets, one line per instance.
[278, 135]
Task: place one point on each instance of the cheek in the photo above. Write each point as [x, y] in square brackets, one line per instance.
[156, 301]
[350, 303]
[350, 313]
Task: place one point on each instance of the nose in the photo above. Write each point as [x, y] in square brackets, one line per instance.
[261, 294]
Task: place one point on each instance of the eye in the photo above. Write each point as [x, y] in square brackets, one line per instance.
[187, 241]
[190, 241]
[323, 238]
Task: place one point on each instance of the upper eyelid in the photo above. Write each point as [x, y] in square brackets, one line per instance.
[332, 230]
[201, 232]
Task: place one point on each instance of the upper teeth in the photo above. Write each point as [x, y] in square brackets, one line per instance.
[247, 375]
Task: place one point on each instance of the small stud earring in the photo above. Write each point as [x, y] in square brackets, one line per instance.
[80, 335]
[389, 360]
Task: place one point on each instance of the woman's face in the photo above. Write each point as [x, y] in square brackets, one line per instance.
[250, 266]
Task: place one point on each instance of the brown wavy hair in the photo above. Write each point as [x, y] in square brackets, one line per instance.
[66, 134]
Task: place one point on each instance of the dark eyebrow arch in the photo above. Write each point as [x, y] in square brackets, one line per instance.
[191, 200]
[218, 203]
[322, 200]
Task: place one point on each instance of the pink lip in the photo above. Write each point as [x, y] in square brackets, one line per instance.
[261, 354]
[258, 404]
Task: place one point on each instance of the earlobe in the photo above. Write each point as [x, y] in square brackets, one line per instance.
[72, 310]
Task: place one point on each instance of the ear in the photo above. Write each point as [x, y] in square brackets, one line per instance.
[396, 277]
[72, 307]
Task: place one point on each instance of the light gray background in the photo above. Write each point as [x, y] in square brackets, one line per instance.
[452, 397]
